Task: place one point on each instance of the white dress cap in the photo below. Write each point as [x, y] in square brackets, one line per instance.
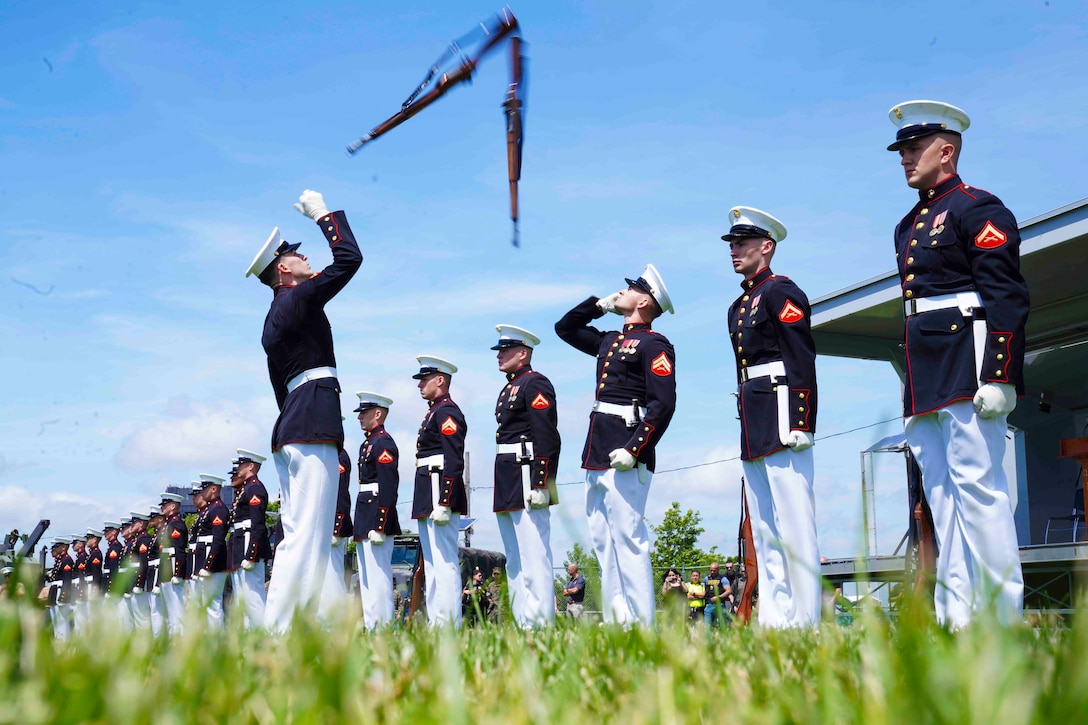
[750, 223]
[243, 454]
[210, 479]
[915, 119]
[429, 365]
[368, 399]
[512, 336]
[273, 247]
[651, 283]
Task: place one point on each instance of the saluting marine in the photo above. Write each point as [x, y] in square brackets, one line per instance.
[440, 497]
[249, 545]
[966, 306]
[309, 432]
[526, 458]
[376, 521]
[173, 542]
[770, 329]
[213, 533]
[635, 401]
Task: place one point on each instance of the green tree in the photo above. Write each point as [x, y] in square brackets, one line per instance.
[675, 541]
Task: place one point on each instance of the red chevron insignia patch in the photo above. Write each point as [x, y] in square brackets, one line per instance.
[113, 554]
[143, 548]
[540, 402]
[990, 237]
[217, 521]
[342, 469]
[175, 534]
[661, 365]
[385, 457]
[791, 313]
[256, 500]
[449, 426]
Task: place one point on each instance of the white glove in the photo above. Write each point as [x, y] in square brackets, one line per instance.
[995, 399]
[376, 537]
[799, 440]
[441, 515]
[335, 540]
[156, 590]
[608, 304]
[175, 580]
[128, 596]
[312, 204]
[137, 590]
[204, 573]
[247, 564]
[107, 595]
[538, 498]
[621, 459]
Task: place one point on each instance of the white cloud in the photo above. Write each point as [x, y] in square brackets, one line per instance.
[68, 512]
[191, 434]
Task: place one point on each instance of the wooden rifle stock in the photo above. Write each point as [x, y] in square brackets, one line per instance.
[746, 542]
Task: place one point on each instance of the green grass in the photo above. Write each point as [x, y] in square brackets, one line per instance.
[872, 672]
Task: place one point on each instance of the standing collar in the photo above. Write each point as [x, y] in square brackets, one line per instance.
[519, 372]
[633, 326]
[376, 431]
[440, 399]
[757, 279]
[940, 189]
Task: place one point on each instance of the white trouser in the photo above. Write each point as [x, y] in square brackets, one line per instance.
[615, 508]
[81, 614]
[124, 611]
[309, 477]
[376, 581]
[442, 570]
[526, 536]
[334, 590]
[211, 595]
[155, 605]
[249, 594]
[140, 604]
[783, 510]
[61, 614]
[978, 562]
[173, 604]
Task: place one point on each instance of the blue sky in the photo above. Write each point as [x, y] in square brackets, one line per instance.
[147, 149]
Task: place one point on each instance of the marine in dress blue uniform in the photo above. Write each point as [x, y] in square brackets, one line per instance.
[198, 550]
[440, 497]
[527, 449]
[635, 401]
[140, 556]
[770, 329]
[59, 583]
[153, 587]
[376, 521]
[309, 431]
[80, 598]
[213, 534]
[93, 579]
[249, 545]
[173, 541]
[966, 306]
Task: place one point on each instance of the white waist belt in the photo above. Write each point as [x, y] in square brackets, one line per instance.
[238, 525]
[515, 448]
[776, 368]
[309, 376]
[204, 539]
[966, 301]
[368, 487]
[623, 411]
[437, 459]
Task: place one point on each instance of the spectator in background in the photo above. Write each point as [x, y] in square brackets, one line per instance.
[496, 597]
[674, 593]
[575, 592]
[696, 597]
[719, 596]
[474, 599]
